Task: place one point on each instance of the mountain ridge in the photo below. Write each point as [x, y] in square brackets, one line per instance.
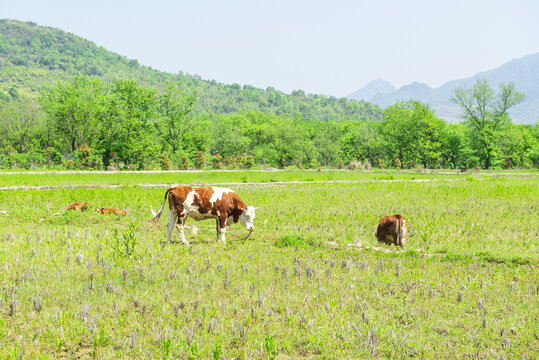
[524, 72]
[33, 57]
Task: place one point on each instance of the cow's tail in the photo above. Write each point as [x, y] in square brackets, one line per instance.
[402, 231]
[158, 215]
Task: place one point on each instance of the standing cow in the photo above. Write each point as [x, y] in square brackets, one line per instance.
[202, 203]
[392, 230]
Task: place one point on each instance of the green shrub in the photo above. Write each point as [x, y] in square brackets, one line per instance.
[164, 162]
[200, 160]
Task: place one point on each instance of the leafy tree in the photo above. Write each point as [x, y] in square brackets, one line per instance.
[486, 113]
[126, 130]
[413, 133]
[175, 121]
[362, 141]
[74, 109]
[20, 124]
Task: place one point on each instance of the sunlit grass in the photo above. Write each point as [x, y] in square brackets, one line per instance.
[212, 177]
[467, 286]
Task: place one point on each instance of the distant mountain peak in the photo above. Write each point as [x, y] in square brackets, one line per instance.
[372, 89]
[524, 72]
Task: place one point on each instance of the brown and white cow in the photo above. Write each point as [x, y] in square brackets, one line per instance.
[392, 230]
[202, 203]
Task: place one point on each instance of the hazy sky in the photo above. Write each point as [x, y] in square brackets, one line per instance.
[330, 47]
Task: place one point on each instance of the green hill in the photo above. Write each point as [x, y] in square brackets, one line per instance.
[33, 56]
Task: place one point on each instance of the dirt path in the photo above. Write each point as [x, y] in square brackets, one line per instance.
[232, 184]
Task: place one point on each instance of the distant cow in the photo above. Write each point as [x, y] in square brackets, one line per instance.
[202, 203]
[77, 206]
[392, 230]
[108, 211]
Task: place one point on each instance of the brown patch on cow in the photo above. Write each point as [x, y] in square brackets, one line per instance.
[202, 200]
[78, 206]
[109, 211]
[232, 206]
[392, 230]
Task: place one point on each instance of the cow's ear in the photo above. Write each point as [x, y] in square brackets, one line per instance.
[256, 208]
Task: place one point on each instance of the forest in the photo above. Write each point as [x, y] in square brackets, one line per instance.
[86, 123]
[66, 103]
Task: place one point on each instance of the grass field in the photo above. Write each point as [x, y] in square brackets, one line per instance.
[212, 177]
[81, 285]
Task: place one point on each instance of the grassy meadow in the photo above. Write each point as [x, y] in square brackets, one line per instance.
[83, 285]
[67, 178]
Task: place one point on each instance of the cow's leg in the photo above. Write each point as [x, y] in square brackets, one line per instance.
[171, 221]
[180, 225]
[222, 228]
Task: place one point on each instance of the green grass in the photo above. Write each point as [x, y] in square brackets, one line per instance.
[83, 285]
[211, 177]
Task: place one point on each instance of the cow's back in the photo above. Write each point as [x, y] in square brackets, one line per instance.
[392, 230]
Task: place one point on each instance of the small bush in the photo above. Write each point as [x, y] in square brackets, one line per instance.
[183, 162]
[69, 164]
[84, 154]
[231, 162]
[396, 162]
[200, 160]
[293, 240]
[248, 161]
[164, 162]
[217, 162]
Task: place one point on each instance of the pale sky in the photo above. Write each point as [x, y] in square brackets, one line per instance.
[328, 47]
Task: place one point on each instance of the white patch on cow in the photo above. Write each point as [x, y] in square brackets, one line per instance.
[180, 226]
[218, 194]
[403, 232]
[222, 235]
[192, 211]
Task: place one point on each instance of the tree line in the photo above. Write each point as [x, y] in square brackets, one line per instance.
[87, 123]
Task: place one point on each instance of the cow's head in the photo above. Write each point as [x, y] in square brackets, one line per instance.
[247, 218]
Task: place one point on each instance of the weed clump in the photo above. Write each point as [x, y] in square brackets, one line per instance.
[293, 241]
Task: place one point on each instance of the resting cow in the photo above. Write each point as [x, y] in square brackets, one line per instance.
[107, 211]
[77, 206]
[202, 203]
[392, 230]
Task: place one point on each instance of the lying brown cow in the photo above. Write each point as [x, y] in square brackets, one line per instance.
[201, 203]
[107, 211]
[392, 230]
[77, 206]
